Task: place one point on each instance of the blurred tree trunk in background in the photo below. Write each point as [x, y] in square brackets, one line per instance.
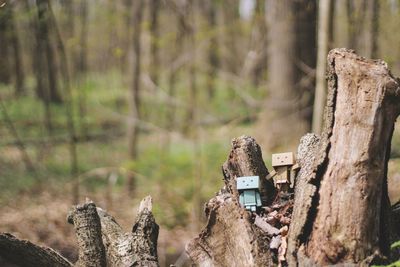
[325, 14]
[174, 63]
[373, 8]
[5, 68]
[10, 50]
[69, 107]
[38, 63]
[133, 122]
[255, 61]
[190, 119]
[39, 67]
[47, 50]
[229, 53]
[112, 17]
[69, 32]
[16, 47]
[356, 11]
[154, 8]
[281, 108]
[210, 10]
[82, 66]
[306, 56]
[291, 61]
[126, 42]
[259, 43]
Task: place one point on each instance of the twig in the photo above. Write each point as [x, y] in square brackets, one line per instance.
[19, 143]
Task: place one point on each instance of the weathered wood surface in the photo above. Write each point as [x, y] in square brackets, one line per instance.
[135, 248]
[245, 159]
[25, 253]
[87, 226]
[341, 212]
[230, 238]
[101, 241]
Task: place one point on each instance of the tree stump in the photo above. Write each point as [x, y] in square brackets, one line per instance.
[230, 238]
[348, 221]
[101, 241]
[341, 213]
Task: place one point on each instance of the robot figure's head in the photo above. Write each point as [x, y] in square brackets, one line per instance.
[248, 182]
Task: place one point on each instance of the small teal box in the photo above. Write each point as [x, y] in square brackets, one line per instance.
[249, 195]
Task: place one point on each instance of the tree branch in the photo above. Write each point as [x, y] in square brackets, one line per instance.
[25, 253]
[87, 226]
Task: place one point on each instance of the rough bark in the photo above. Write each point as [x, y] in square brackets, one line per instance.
[135, 248]
[25, 253]
[101, 241]
[88, 234]
[230, 238]
[245, 159]
[341, 212]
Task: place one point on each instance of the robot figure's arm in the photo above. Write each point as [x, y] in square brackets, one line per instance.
[271, 175]
[258, 200]
[241, 199]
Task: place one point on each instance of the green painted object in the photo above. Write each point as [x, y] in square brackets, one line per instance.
[249, 193]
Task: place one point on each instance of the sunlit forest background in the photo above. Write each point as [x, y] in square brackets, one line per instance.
[115, 100]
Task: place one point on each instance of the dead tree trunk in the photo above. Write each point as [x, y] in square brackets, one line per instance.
[341, 214]
[101, 241]
[347, 220]
[230, 238]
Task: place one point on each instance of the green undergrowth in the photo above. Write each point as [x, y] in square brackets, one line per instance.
[180, 175]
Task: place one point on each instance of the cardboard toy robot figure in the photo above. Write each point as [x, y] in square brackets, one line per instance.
[285, 169]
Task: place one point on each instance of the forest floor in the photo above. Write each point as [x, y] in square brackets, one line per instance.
[42, 220]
